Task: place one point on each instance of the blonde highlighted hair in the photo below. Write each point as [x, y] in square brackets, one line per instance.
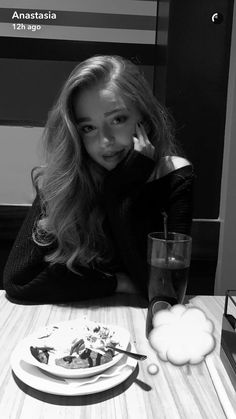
[70, 184]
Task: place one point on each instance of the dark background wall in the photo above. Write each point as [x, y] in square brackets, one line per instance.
[196, 90]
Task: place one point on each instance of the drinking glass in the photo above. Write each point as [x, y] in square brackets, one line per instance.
[168, 258]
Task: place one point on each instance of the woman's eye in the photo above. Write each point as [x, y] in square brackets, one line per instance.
[120, 119]
[86, 129]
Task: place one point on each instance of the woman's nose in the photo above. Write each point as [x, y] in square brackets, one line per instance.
[107, 134]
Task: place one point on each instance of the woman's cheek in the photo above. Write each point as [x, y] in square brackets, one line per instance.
[126, 137]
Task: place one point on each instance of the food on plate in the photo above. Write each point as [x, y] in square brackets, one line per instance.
[77, 346]
[86, 359]
[83, 352]
[41, 353]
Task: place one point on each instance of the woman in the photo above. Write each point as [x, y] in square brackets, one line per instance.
[112, 168]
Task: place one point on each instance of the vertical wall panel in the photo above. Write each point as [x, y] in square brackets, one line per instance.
[197, 77]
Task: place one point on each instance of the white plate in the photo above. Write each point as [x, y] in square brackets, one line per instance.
[42, 381]
[60, 336]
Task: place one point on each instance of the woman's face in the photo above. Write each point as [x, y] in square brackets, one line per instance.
[106, 124]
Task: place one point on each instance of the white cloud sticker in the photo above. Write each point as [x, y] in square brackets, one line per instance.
[182, 335]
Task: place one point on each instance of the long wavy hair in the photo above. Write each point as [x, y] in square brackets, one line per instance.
[69, 185]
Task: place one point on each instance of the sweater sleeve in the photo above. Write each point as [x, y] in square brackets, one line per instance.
[173, 194]
[28, 278]
[121, 186]
[179, 205]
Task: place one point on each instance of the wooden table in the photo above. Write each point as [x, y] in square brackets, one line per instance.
[201, 391]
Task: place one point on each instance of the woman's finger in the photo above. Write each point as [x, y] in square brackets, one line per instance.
[142, 143]
[137, 145]
[143, 134]
[140, 136]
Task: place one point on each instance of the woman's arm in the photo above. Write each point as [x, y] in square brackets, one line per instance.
[173, 194]
[27, 277]
[122, 184]
[125, 284]
[179, 205]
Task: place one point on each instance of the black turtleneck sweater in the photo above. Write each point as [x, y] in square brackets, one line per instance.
[133, 208]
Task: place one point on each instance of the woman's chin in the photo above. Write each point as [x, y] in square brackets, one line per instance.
[110, 166]
[110, 162]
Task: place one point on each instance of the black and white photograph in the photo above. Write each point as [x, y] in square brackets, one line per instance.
[117, 209]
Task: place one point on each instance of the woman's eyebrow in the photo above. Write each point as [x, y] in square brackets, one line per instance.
[87, 119]
[115, 110]
[83, 119]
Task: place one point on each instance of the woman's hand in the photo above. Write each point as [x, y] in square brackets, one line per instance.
[142, 143]
[124, 284]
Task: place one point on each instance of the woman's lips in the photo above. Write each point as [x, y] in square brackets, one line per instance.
[113, 155]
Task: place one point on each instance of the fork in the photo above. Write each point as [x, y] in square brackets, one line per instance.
[139, 357]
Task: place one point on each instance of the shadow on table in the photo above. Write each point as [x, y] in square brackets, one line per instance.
[115, 300]
[132, 300]
[83, 400]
